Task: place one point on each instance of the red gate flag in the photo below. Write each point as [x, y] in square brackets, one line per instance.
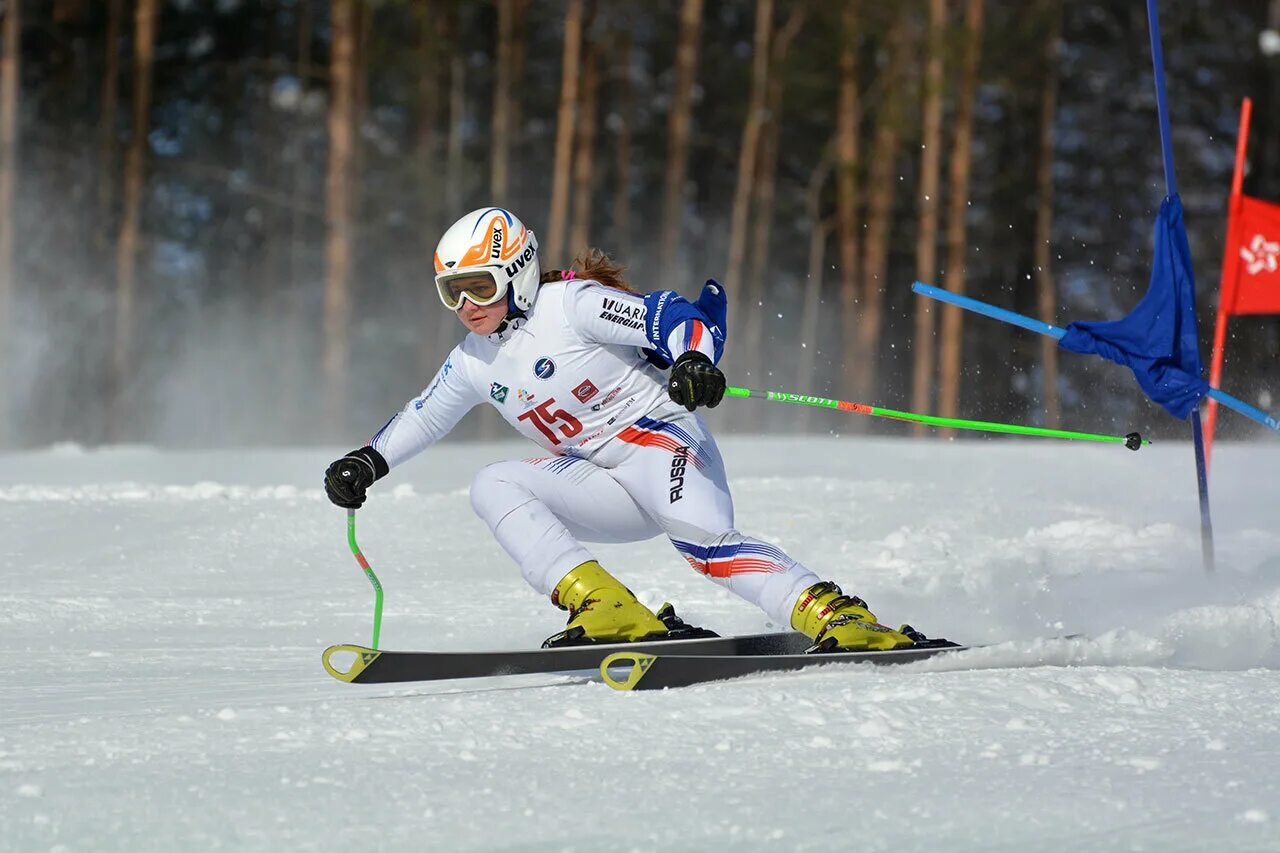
[1250, 265]
[1255, 240]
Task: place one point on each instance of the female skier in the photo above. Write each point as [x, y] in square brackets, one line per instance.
[575, 361]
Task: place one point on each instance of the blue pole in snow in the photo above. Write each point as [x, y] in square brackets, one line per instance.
[1171, 188]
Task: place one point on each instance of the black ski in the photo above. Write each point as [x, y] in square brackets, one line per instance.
[654, 670]
[380, 667]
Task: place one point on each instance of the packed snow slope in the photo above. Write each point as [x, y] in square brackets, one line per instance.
[162, 616]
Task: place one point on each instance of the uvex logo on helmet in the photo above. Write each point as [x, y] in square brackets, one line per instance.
[520, 262]
[496, 236]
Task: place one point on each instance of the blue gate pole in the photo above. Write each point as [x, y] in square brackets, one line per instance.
[1040, 327]
[1171, 188]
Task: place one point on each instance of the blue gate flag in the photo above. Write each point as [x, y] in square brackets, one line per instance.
[1157, 339]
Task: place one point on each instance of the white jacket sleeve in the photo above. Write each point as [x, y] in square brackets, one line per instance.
[607, 315]
[429, 417]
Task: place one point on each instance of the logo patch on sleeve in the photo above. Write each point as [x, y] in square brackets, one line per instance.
[498, 391]
[622, 313]
[585, 391]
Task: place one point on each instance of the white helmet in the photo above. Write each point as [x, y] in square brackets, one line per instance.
[489, 240]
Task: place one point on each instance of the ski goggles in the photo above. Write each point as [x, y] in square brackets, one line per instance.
[480, 288]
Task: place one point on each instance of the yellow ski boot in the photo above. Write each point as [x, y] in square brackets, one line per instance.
[838, 622]
[601, 610]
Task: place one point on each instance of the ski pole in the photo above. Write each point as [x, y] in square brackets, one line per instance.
[373, 579]
[1133, 440]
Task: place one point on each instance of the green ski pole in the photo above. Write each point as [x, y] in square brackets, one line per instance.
[373, 579]
[1133, 440]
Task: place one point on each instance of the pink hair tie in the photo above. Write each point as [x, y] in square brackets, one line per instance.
[568, 274]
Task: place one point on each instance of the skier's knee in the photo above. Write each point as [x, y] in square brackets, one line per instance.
[720, 537]
[493, 489]
[703, 548]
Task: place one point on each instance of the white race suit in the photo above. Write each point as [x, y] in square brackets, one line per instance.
[626, 464]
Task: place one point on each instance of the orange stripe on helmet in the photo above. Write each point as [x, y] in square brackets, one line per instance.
[479, 253]
[439, 263]
[511, 248]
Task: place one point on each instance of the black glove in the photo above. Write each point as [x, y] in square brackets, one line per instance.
[346, 480]
[695, 381]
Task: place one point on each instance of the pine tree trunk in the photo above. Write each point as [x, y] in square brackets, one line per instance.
[848, 112]
[922, 343]
[449, 26]
[306, 30]
[294, 326]
[431, 82]
[10, 68]
[1046, 295]
[338, 206]
[127, 244]
[583, 159]
[433, 79]
[678, 129]
[499, 193]
[765, 189]
[622, 152]
[553, 250]
[749, 151]
[67, 11]
[958, 208]
[520, 15]
[107, 124]
[359, 112]
[755, 299]
[268, 264]
[881, 187]
[454, 169]
[810, 312]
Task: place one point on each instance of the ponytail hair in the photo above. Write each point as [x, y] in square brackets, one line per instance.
[592, 264]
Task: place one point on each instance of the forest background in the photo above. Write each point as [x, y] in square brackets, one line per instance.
[217, 218]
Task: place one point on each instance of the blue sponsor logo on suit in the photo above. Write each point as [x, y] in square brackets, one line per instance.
[544, 368]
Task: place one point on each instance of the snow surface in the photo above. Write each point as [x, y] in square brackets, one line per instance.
[162, 616]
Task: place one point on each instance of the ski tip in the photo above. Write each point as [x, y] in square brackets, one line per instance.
[363, 658]
[637, 664]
